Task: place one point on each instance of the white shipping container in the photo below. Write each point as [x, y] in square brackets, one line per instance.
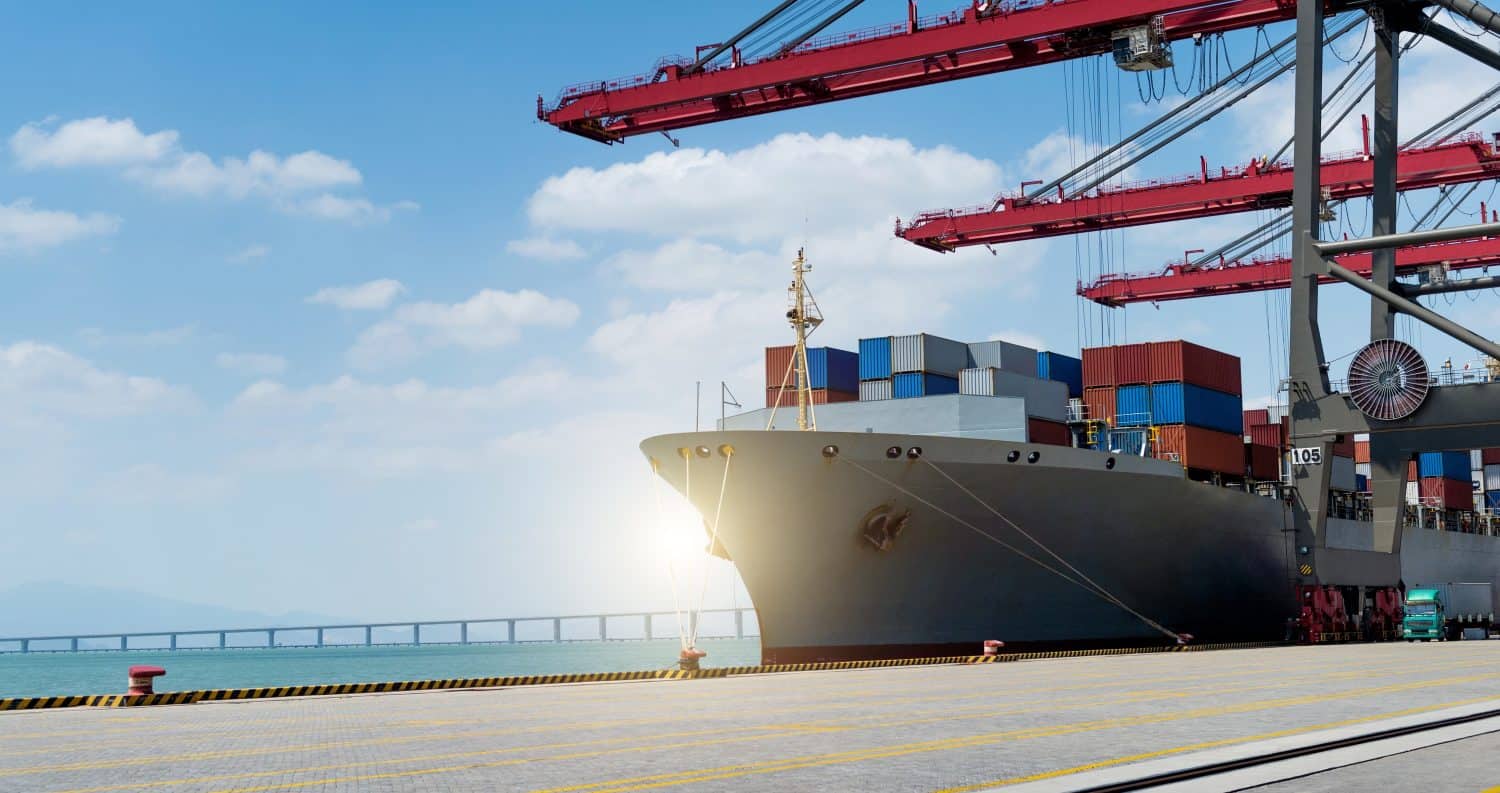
[1004, 356]
[1476, 460]
[1492, 477]
[1411, 492]
[1478, 482]
[1342, 475]
[924, 352]
[1362, 469]
[1045, 399]
[874, 390]
[1361, 436]
[1275, 413]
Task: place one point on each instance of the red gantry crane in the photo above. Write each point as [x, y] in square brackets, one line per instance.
[984, 38]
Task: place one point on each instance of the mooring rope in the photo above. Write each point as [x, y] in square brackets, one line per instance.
[1064, 562]
[1090, 587]
[713, 541]
[671, 564]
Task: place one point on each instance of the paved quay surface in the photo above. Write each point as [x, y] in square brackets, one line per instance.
[1458, 767]
[918, 729]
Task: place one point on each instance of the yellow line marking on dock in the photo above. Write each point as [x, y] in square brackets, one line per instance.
[969, 742]
[1265, 736]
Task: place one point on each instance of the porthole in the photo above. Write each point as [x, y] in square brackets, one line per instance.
[914, 452]
[1033, 457]
[1110, 464]
[1013, 456]
[893, 452]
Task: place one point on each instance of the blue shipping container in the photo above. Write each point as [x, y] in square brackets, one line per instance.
[908, 385]
[875, 358]
[1361, 483]
[1444, 465]
[1132, 405]
[1492, 500]
[836, 370]
[1185, 403]
[1061, 368]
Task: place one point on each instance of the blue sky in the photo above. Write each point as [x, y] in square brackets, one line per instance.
[304, 310]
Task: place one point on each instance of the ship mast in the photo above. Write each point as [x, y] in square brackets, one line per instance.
[804, 317]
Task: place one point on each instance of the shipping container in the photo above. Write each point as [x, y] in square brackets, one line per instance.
[1345, 447]
[1361, 483]
[1476, 481]
[1040, 430]
[1098, 367]
[1184, 403]
[1361, 469]
[1492, 500]
[820, 396]
[1278, 413]
[1341, 474]
[1132, 364]
[1450, 493]
[1269, 435]
[1133, 405]
[1411, 471]
[874, 390]
[1044, 398]
[779, 366]
[875, 358]
[1204, 449]
[924, 352]
[1002, 355]
[1361, 451]
[1491, 456]
[1476, 460]
[834, 369]
[1100, 402]
[1262, 462]
[1251, 418]
[908, 385]
[1185, 362]
[1492, 476]
[1446, 465]
[1062, 369]
[1411, 491]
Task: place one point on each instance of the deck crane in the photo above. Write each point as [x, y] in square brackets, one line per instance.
[983, 38]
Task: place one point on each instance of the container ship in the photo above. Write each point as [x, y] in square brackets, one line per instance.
[921, 496]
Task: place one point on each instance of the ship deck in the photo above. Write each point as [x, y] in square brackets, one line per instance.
[1045, 722]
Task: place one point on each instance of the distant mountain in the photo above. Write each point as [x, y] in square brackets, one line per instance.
[53, 608]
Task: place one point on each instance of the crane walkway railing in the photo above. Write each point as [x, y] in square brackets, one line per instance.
[626, 626]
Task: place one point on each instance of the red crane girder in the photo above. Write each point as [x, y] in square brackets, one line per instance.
[1467, 158]
[1180, 282]
[922, 51]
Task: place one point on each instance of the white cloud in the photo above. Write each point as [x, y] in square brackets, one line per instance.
[491, 318]
[546, 249]
[251, 363]
[152, 484]
[89, 141]
[371, 295]
[695, 266]
[164, 337]
[25, 228]
[788, 186]
[41, 378]
[298, 183]
[251, 253]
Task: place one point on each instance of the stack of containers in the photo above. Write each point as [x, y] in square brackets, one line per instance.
[833, 376]
[1261, 459]
[1444, 479]
[926, 365]
[1190, 393]
[875, 369]
[1491, 460]
[1362, 462]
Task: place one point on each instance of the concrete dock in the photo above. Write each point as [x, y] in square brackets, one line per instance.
[917, 728]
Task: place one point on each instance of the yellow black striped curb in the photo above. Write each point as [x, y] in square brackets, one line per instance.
[514, 681]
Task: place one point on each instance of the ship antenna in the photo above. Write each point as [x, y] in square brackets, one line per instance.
[805, 317]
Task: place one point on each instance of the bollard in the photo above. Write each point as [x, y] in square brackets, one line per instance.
[140, 679]
[992, 647]
[689, 659]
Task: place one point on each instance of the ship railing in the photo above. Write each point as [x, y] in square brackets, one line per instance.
[730, 623]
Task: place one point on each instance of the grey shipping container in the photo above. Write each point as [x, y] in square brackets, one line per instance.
[924, 352]
[874, 390]
[1342, 476]
[1045, 399]
[952, 415]
[1275, 413]
[1476, 460]
[1004, 356]
[1492, 477]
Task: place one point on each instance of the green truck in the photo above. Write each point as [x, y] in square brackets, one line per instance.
[1446, 611]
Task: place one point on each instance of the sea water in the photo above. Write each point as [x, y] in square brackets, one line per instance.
[56, 674]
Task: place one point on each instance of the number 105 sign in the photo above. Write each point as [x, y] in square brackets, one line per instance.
[1307, 455]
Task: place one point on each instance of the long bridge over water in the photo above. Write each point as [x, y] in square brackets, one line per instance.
[625, 626]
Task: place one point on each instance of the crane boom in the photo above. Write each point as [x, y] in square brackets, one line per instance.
[984, 38]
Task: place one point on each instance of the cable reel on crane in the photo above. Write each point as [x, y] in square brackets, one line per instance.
[1388, 380]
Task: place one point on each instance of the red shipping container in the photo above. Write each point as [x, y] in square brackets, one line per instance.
[820, 396]
[1048, 432]
[1361, 451]
[1100, 402]
[1254, 417]
[1185, 362]
[1450, 493]
[1098, 367]
[1132, 364]
[1207, 450]
[778, 359]
[1491, 456]
[1272, 435]
[1345, 448]
[1263, 462]
[1411, 471]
